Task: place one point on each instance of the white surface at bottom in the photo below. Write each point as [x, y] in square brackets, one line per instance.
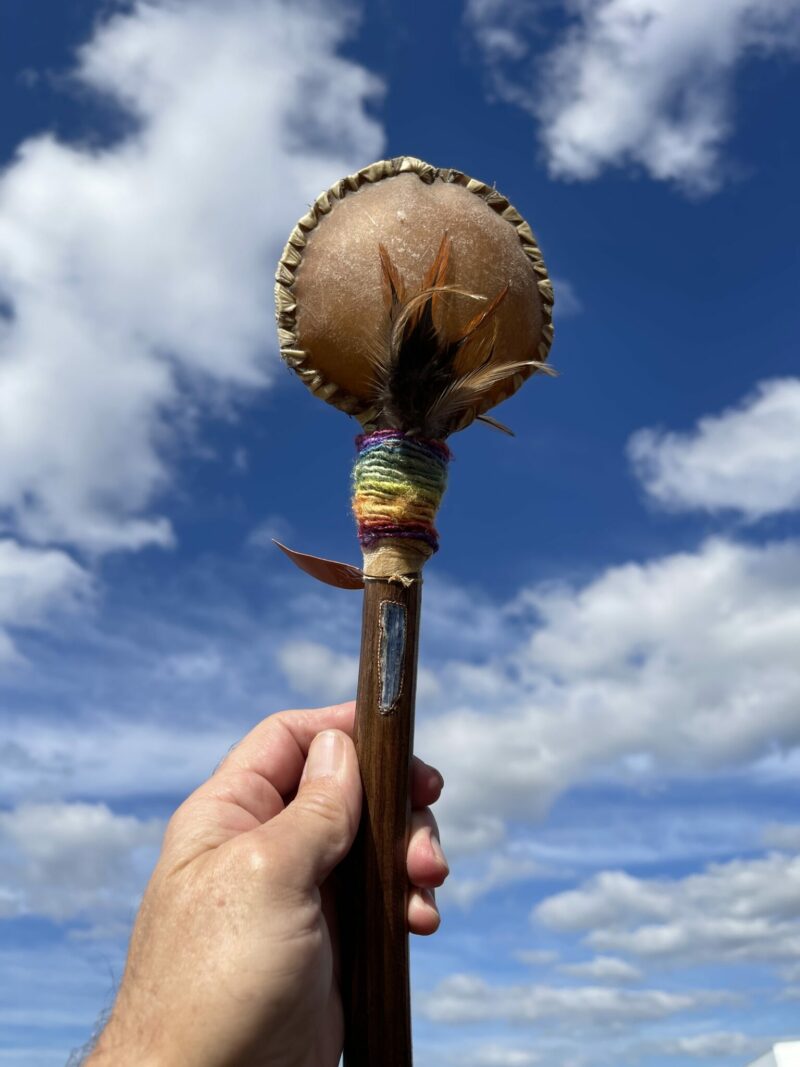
[786, 1054]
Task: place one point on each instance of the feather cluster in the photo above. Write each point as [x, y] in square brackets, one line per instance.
[424, 383]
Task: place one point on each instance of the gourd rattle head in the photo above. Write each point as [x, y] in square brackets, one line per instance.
[413, 298]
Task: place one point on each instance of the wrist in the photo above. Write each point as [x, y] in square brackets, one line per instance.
[118, 1047]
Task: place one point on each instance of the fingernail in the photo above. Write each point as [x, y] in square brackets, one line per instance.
[324, 756]
[436, 848]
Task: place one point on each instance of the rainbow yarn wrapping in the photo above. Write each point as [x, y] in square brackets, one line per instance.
[398, 483]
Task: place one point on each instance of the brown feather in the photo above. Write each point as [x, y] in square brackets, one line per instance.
[496, 424]
[393, 285]
[436, 275]
[415, 306]
[478, 320]
[464, 392]
[418, 378]
[475, 350]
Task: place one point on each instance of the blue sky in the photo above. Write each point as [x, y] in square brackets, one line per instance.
[610, 679]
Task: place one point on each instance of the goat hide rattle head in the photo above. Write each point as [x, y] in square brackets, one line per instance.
[413, 298]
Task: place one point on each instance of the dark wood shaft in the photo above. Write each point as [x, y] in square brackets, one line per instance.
[374, 901]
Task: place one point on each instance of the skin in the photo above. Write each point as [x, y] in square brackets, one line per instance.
[233, 960]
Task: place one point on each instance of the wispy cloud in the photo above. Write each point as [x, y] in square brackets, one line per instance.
[501, 1056]
[273, 528]
[568, 303]
[712, 1045]
[608, 969]
[641, 83]
[467, 998]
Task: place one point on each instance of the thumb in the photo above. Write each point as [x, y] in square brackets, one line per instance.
[315, 831]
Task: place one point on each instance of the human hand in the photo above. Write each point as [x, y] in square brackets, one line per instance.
[233, 960]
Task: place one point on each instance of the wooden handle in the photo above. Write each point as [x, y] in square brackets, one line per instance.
[374, 900]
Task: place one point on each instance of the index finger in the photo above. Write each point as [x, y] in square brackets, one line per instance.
[276, 750]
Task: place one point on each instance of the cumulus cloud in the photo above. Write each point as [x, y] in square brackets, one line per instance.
[68, 861]
[536, 957]
[745, 459]
[646, 83]
[314, 670]
[136, 275]
[463, 998]
[732, 912]
[609, 969]
[682, 665]
[783, 835]
[317, 672]
[107, 756]
[146, 696]
[501, 1056]
[712, 1045]
[34, 584]
[499, 869]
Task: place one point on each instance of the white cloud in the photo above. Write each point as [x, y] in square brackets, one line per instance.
[536, 957]
[671, 832]
[604, 969]
[607, 897]
[647, 83]
[718, 1043]
[273, 528]
[682, 665]
[108, 756]
[568, 303]
[783, 835]
[738, 911]
[35, 584]
[147, 695]
[68, 861]
[498, 869]
[138, 274]
[466, 832]
[465, 998]
[198, 666]
[706, 1044]
[503, 29]
[746, 459]
[501, 1056]
[314, 670]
